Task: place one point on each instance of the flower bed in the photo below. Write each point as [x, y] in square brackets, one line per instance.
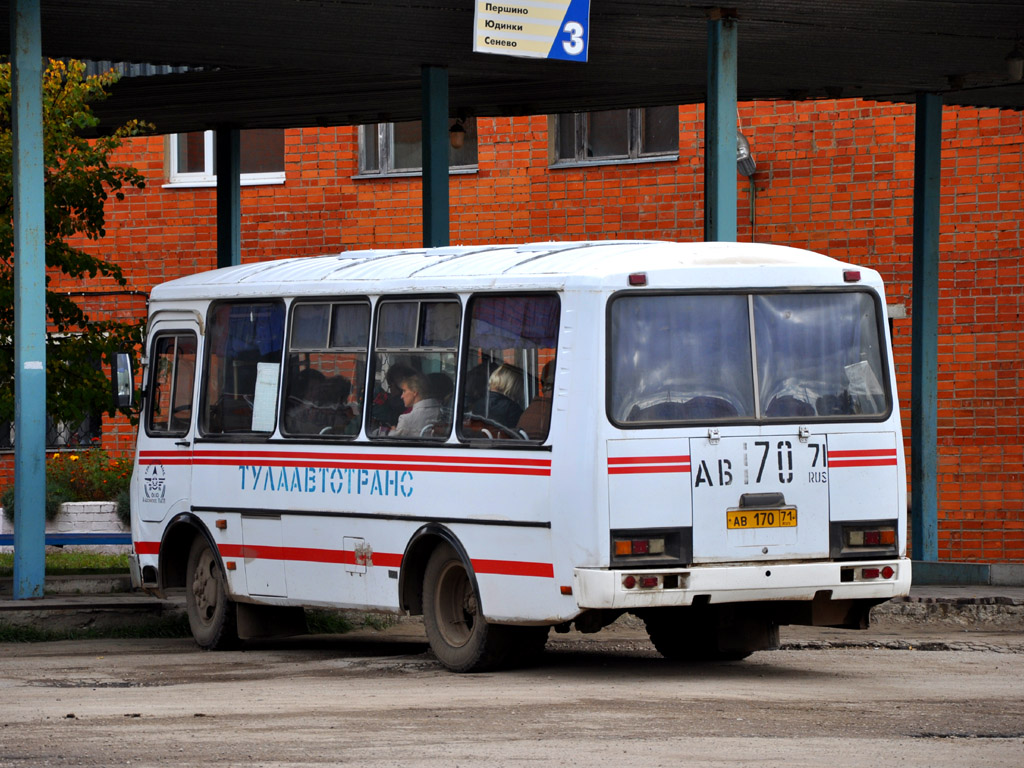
[84, 492]
[80, 517]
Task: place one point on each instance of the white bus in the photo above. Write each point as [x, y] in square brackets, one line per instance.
[506, 439]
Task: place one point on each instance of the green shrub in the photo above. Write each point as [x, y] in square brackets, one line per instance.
[124, 507]
[90, 475]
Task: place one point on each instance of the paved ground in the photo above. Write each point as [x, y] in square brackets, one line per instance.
[380, 699]
[936, 681]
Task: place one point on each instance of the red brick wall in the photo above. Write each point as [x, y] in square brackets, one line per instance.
[833, 176]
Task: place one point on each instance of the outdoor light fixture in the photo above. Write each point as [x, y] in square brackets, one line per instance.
[457, 134]
[745, 165]
[1015, 63]
[744, 160]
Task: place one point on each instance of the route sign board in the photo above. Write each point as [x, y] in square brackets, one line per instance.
[540, 29]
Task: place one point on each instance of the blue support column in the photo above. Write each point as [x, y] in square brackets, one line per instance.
[29, 301]
[925, 339]
[720, 131]
[229, 197]
[435, 157]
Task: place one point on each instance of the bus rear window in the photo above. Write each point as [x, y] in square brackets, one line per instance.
[687, 358]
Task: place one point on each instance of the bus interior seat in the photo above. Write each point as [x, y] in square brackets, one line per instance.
[235, 412]
[700, 407]
[788, 406]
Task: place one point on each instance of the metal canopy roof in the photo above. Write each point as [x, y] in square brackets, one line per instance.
[288, 63]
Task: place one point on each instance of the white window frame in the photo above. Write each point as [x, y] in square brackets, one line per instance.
[386, 155]
[208, 177]
[634, 134]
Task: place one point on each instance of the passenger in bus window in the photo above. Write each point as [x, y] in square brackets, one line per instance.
[504, 397]
[424, 410]
[535, 419]
[387, 403]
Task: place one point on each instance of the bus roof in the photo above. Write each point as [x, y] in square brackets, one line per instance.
[552, 265]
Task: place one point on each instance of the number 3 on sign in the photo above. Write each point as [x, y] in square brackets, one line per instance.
[574, 45]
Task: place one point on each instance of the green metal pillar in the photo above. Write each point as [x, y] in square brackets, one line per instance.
[29, 301]
[229, 196]
[435, 157]
[720, 131]
[924, 341]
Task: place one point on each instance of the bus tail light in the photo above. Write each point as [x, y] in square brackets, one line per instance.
[867, 573]
[645, 547]
[629, 547]
[864, 539]
[655, 581]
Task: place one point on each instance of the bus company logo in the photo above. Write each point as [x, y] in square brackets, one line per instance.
[326, 480]
[154, 483]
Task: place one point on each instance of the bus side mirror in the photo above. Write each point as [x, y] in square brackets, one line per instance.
[122, 380]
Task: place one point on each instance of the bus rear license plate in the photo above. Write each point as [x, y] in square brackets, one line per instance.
[761, 518]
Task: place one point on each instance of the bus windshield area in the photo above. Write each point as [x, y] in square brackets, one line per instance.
[745, 357]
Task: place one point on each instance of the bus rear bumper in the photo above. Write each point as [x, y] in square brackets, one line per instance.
[598, 588]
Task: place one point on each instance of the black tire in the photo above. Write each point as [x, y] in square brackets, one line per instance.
[527, 644]
[211, 614]
[459, 635]
[694, 635]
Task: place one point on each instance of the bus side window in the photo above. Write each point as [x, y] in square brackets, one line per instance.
[510, 367]
[414, 369]
[170, 402]
[242, 366]
[326, 368]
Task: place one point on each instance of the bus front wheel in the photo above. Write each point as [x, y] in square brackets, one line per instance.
[459, 635]
[211, 614]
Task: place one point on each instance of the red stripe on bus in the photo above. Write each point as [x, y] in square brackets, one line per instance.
[348, 557]
[305, 554]
[869, 457]
[383, 559]
[648, 470]
[862, 453]
[478, 465]
[514, 568]
[341, 464]
[407, 457]
[648, 459]
[862, 463]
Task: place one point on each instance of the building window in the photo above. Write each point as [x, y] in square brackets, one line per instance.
[396, 149]
[617, 135]
[193, 158]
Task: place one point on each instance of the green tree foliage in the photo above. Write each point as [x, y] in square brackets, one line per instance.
[79, 178]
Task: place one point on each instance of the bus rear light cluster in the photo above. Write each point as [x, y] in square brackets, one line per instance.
[868, 573]
[880, 537]
[631, 547]
[653, 581]
[864, 539]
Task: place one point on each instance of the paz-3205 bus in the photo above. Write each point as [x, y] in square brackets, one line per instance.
[506, 439]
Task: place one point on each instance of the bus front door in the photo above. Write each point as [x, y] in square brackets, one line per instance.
[166, 440]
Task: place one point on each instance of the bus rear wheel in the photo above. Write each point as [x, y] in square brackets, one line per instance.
[211, 614]
[709, 634]
[459, 635]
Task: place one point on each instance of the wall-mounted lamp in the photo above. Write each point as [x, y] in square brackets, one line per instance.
[744, 160]
[745, 165]
[1015, 63]
[457, 134]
